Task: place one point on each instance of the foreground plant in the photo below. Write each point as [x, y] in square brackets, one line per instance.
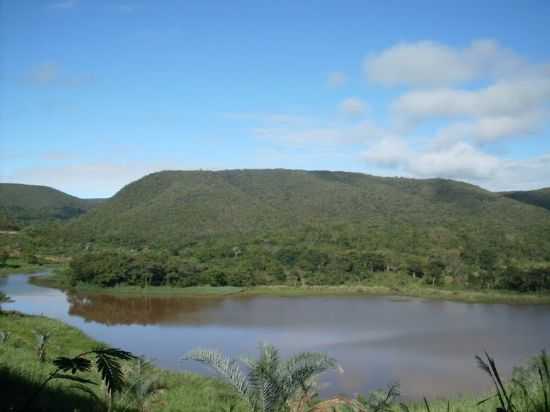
[529, 389]
[42, 339]
[106, 362]
[142, 384]
[270, 383]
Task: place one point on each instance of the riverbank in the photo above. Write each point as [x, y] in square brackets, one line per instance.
[21, 372]
[408, 290]
[18, 266]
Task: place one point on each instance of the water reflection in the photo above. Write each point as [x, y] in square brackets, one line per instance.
[113, 310]
[428, 346]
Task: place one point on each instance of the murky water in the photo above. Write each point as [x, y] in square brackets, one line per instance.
[428, 346]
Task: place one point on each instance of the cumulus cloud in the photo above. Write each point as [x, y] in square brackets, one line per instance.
[336, 79]
[460, 161]
[503, 98]
[353, 106]
[493, 128]
[428, 63]
[389, 152]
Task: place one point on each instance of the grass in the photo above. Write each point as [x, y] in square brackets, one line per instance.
[380, 285]
[16, 265]
[21, 372]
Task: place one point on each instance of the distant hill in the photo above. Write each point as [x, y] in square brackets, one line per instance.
[26, 204]
[539, 197]
[393, 214]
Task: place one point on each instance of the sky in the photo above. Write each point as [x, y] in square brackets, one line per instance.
[95, 94]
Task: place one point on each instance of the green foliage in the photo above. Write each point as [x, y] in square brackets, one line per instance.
[539, 197]
[143, 384]
[4, 299]
[270, 383]
[381, 401]
[21, 205]
[286, 227]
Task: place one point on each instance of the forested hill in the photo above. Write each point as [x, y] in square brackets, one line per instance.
[176, 207]
[539, 197]
[26, 204]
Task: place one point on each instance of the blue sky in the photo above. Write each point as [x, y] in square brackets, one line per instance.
[95, 94]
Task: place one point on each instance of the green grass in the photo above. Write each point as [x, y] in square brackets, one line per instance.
[20, 373]
[383, 285]
[15, 265]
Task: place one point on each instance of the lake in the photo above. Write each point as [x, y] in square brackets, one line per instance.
[427, 346]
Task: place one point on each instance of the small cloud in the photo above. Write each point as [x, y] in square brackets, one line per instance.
[427, 63]
[65, 4]
[353, 106]
[336, 79]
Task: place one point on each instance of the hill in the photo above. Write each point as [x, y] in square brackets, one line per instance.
[27, 204]
[174, 207]
[540, 198]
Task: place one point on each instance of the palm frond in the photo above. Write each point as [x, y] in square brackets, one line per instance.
[228, 368]
[303, 366]
[76, 364]
[110, 370]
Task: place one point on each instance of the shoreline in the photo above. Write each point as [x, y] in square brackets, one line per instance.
[416, 292]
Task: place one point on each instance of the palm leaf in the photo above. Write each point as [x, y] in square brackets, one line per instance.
[228, 368]
[76, 364]
[110, 371]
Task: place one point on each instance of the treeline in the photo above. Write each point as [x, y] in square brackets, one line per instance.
[267, 263]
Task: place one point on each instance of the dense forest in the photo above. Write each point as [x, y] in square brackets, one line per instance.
[263, 227]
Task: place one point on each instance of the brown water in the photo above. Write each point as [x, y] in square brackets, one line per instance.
[428, 346]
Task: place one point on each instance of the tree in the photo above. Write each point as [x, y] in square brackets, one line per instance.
[270, 383]
[4, 256]
[435, 271]
[4, 299]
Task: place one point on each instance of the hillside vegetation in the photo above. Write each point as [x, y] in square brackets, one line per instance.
[186, 205]
[257, 227]
[27, 204]
[539, 197]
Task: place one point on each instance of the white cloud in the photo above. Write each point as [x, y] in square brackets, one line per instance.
[336, 79]
[493, 128]
[353, 106]
[388, 152]
[504, 98]
[460, 161]
[428, 63]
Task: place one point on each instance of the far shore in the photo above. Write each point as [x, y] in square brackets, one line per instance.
[414, 291]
